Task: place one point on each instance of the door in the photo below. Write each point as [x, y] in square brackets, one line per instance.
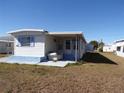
[69, 50]
[67, 47]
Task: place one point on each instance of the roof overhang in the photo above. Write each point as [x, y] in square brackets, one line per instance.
[27, 30]
[64, 34]
[68, 34]
[119, 41]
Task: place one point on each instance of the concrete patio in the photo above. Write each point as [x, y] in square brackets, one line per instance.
[45, 63]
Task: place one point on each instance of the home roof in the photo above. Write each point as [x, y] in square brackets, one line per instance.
[67, 33]
[30, 30]
[122, 40]
[59, 33]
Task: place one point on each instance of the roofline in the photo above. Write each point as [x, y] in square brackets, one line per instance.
[108, 45]
[50, 33]
[23, 30]
[118, 41]
[65, 32]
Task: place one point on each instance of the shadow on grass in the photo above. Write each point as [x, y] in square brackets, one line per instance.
[97, 58]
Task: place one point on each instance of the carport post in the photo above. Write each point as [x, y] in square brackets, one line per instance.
[76, 40]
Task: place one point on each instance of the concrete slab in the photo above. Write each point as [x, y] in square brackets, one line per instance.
[47, 63]
[57, 64]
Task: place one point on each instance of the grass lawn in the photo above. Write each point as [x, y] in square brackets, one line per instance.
[100, 73]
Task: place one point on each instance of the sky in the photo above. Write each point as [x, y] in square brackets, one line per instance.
[97, 19]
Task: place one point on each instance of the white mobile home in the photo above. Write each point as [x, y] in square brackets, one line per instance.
[108, 48]
[6, 45]
[39, 43]
[119, 47]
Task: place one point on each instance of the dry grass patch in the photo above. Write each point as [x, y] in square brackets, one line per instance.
[82, 78]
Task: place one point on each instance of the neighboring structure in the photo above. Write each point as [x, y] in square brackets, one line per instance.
[6, 45]
[118, 48]
[39, 43]
[108, 48]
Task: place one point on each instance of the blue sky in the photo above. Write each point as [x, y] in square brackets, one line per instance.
[97, 19]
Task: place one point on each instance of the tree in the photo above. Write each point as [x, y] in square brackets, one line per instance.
[100, 47]
[95, 44]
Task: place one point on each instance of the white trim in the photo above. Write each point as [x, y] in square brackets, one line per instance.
[65, 32]
[6, 41]
[23, 30]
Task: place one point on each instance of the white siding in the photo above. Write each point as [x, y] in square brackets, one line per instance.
[35, 51]
[121, 52]
[108, 48]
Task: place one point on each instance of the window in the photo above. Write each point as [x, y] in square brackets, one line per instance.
[26, 40]
[68, 44]
[118, 48]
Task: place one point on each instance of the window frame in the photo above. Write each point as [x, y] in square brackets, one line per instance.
[29, 43]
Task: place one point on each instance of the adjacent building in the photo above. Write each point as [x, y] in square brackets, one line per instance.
[6, 45]
[108, 48]
[119, 47]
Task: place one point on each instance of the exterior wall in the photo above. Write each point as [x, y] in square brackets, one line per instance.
[121, 52]
[5, 48]
[36, 51]
[50, 44]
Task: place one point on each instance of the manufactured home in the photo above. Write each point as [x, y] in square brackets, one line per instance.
[119, 47]
[108, 48]
[6, 45]
[39, 43]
